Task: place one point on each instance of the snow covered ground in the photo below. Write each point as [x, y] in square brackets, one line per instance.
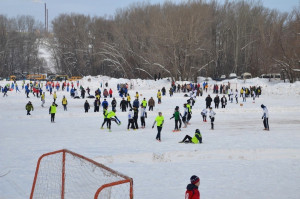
[237, 160]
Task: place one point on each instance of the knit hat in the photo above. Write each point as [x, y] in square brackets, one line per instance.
[194, 179]
[262, 106]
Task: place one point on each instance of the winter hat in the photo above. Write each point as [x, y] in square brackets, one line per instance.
[194, 179]
[197, 130]
[262, 106]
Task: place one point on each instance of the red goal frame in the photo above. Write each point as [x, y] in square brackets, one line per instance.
[64, 151]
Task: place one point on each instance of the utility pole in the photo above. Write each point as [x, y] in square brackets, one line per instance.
[45, 17]
[47, 20]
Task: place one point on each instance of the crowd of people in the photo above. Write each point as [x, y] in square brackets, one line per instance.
[136, 108]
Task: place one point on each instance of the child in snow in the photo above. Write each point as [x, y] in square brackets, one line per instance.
[177, 116]
[143, 116]
[212, 117]
[29, 107]
[204, 114]
[192, 191]
[130, 120]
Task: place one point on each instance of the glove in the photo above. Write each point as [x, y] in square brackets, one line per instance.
[153, 126]
[262, 117]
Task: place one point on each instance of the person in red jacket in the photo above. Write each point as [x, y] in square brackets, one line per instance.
[110, 93]
[192, 191]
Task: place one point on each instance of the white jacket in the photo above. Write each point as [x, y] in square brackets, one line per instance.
[265, 112]
[212, 113]
[204, 111]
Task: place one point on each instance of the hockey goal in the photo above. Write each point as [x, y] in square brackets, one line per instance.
[64, 174]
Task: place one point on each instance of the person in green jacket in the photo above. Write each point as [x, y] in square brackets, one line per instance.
[196, 139]
[160, 121]
[111, 116]
[52, 111]
[177, 116]
[29, 107]
[105, 113]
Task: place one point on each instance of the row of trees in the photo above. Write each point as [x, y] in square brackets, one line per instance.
[181, 41]
[19, 42]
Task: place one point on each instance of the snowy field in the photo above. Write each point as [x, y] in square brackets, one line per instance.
[236, 160]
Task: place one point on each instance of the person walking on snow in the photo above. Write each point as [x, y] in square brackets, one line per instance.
[265, 117]
[236, 94]
[159, 96]
[52, 111]
[86, 106]
[123, 105]
[143, 116]
[254, 95]
[64, 102]
[212, 117]
[204, 114]
[177, 116]
[113, 104]
[208, 100]
[217, 101]
[151, 104]
[43, 99]
[29, 107]
[189, 114]
[160, 121]
[130, 120]
[128, 101]
[196, 139]
[105, 120]
[192, 191]
[223, 101]
[184, 117]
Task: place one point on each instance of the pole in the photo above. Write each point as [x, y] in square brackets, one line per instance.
[45, 18]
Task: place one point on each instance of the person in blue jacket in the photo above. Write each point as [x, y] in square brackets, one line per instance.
[27, 90]
[5, 89]
[104, 104]
[136, 103]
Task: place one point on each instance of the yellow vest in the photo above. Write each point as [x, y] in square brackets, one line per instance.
[64, 101]
[53, 109]
[111, 114]
[159, 120]
[159, 95]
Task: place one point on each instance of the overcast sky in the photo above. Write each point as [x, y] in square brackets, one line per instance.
[13, 8]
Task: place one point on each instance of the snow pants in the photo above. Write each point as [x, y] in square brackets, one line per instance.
[143, 123]
[266, 123]
[159, 128]
[212, 119]
[52, 117]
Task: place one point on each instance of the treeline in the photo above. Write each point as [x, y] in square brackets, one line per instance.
[19, 38]
[181, 41]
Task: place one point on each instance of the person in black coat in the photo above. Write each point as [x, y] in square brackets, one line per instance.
[223, 101]
[96, 105]
[135, 117]
[217, 101]
[208, 101]
[113, 104]
[123, 105]
[86, 106]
